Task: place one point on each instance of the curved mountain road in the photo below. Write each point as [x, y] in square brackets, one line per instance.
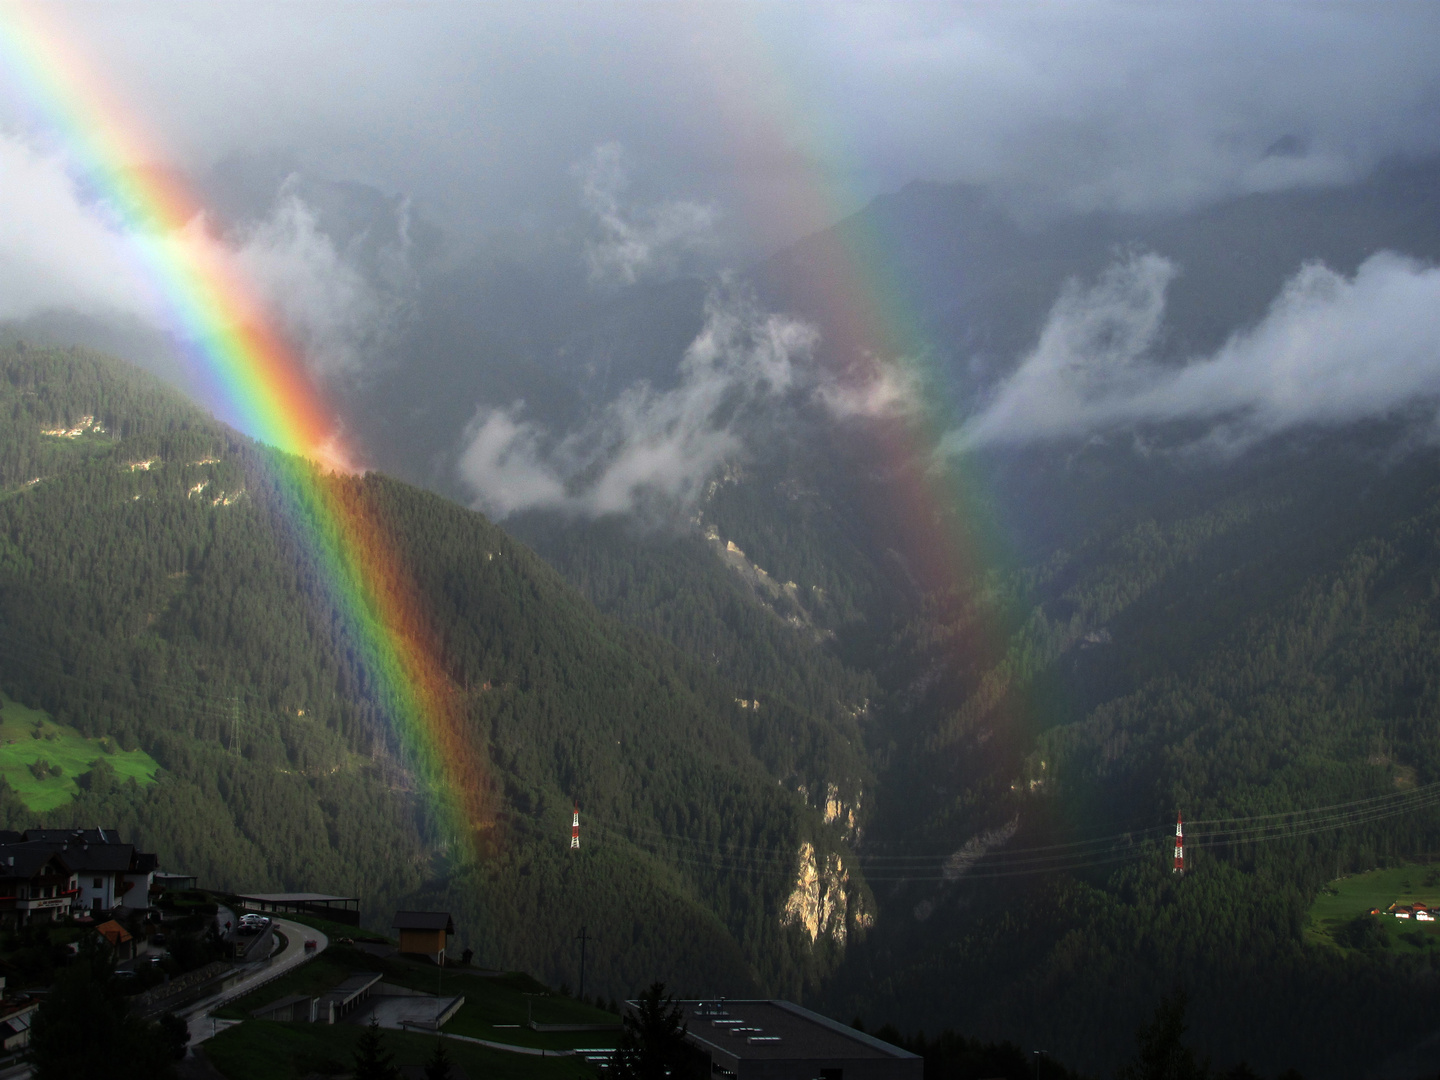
[203, 1025]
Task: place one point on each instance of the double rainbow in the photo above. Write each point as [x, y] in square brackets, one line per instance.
[258, 381]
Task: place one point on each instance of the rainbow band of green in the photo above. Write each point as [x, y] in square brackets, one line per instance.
[264, 389]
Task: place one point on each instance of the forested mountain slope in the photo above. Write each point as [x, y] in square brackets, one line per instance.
[1072, 643]
[153, 592]
[1227, 640]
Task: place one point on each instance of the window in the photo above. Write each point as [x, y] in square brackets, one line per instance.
[99, 883]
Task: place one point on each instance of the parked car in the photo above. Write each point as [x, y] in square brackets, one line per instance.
[310, 945]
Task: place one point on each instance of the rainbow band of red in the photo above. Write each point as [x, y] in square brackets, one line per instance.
[264, 389]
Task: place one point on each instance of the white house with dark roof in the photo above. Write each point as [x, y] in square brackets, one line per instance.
[100, 873]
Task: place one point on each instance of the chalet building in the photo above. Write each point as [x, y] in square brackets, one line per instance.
[99, 872]
[424, 933]
[779, 1040]
[36, 884]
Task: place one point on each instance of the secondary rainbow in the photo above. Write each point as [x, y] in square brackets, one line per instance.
[777, 110]
[258, 383]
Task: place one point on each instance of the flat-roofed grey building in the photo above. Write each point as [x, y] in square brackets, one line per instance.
[778, 1040]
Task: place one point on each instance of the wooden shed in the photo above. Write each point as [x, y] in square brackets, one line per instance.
[424, 933]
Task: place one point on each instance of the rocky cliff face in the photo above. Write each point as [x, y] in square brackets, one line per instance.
[823, 902]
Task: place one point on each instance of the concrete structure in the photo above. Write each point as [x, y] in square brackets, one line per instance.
[163, 882]
[15, 1027]
[778, 1040]
[290, 1008]
[343, 1000]
[424, 933]
[340, 909]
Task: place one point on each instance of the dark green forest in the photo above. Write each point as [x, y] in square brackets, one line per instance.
[1128, 639]
[1145, 638]
[152, 590]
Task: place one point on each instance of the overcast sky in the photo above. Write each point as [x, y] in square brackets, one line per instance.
[778, 117]
[640, 139]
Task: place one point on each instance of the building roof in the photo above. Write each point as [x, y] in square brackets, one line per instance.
[143, 862]
[96, 858]
[287, 1002]
[779, 1030]
[297, 898]
[25, 860]
[92, 851]
[96, 835]
[423, 920]
[113, 932]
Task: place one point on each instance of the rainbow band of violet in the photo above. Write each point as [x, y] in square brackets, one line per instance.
[258, 379]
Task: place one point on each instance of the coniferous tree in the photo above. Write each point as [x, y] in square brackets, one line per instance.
[652, 1045]
[372, 1060]
[82, 1028]
[1162, 1053]
[438, 1067]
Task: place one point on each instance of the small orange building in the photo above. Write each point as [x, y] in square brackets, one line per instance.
[424, 933]
[118, 939]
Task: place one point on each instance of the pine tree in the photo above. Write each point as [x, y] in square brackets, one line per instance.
[372, 1060]
[82, 1028]
[652, 1045]
[438, 1067]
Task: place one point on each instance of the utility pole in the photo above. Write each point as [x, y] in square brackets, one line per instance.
[235, 725]
[582, 938]
[1179, 853]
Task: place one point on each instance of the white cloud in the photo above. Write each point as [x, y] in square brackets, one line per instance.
[337, 318]
[503, 462]
[646, 443]
[1331, 350]
[873, 389]
[637, 242]
[57, 251]
[61, 252]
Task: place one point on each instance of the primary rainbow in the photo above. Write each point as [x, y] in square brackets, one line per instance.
[258, 380]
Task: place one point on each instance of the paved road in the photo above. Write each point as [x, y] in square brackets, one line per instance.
[203, 1026]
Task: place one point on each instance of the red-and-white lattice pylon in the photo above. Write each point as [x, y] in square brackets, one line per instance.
[575, 829]
[1179, 844]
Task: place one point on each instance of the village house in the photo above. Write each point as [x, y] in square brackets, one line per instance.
[36, 884]
[99, 872]
[118, 938]
[424, 933]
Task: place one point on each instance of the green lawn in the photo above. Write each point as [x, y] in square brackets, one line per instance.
[496, 1007]
[269, 1050]
[30, 741]
[313, 977]
[332, 930]
[1341, 901]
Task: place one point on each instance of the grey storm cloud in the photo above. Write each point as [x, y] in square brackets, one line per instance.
[778, 114]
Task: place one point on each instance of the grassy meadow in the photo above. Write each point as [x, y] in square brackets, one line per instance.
[1346, 899]
[40, 758]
